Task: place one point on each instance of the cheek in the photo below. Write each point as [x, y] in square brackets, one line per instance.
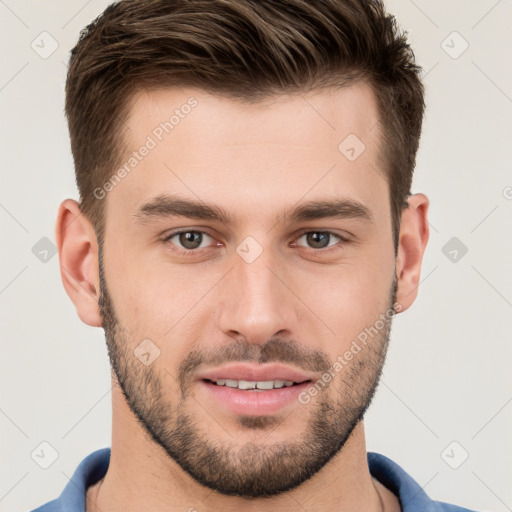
[345, 300]
[155, 299]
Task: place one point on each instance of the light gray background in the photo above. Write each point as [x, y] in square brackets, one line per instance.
[448, 375]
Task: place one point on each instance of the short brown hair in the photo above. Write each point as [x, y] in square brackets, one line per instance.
[246, 50]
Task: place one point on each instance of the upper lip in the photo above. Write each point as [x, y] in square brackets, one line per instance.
[255, 373]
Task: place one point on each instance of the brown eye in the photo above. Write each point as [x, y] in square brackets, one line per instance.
[190, 240]
[319, 239]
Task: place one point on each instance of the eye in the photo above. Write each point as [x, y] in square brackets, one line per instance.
[319, 239]
[190, 240]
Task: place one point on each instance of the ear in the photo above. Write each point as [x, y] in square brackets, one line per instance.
[78, 256]
[413, 239]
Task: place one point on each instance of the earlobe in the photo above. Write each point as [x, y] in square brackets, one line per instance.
[414, 232]
[78, 257]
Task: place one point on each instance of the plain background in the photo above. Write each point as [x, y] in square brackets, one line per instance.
[446, 392]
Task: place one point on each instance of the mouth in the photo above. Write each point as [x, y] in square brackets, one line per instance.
[254, 390]
[253, 398]
[248, 376]
[252, 385]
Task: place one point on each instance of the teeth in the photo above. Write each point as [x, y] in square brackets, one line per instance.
[266, 384]
[247, 384]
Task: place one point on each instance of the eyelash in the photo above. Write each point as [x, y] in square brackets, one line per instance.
[191, 252]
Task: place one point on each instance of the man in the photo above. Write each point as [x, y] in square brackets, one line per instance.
[245, 234]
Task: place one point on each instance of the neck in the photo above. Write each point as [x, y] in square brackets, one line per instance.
[141, 476]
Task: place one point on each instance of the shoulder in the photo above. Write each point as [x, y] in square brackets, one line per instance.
[411, 495]
[51, 506]
[88, 472]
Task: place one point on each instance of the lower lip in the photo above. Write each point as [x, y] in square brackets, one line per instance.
[254, 402]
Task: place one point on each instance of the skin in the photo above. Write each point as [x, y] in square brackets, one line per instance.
[256, 162]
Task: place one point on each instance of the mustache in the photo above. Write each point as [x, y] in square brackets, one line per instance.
[276, 350]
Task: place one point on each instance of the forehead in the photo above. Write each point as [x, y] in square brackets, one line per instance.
[320, 117]
[286, 147]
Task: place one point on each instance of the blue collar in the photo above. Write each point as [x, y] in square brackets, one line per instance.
[412, 497]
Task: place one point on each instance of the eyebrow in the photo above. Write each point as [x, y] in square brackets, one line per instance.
[163, 206]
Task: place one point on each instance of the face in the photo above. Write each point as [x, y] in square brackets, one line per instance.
[248, 280]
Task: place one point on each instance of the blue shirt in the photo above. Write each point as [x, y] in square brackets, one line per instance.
[412, 497]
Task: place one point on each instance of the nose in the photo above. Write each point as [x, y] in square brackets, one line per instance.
[255, 303]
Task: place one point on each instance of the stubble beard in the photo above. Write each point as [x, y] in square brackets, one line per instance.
[252, 469]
